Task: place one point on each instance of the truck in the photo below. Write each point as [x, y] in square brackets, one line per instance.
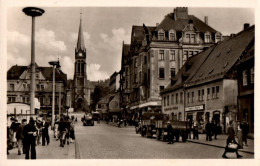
[156, 124]
[180, 128]
[87, 120]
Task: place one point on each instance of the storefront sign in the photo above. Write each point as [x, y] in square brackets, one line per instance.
[195, 108]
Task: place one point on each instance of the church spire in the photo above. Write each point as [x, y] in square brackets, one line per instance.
[80, 44]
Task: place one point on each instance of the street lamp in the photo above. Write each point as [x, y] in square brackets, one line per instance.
[33, 12]
[54, 64]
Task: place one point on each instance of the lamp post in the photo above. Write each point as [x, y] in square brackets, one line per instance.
[33, 12]
[54, 65]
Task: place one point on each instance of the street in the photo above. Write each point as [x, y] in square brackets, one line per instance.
[106, 141]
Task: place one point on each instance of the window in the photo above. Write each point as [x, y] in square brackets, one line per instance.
[252, 75]
[213, 93]
[42, 87]
[218, 38]
[172, 55]
[24, 87]
[135, 78]
[217, 91]
[172, 72]
[172, 36]
[11, 99]
[181, 96]
[28, 99]
[208, 93]
[207, 38]
[140, 76]
[168, 100]
[177, 98]
[41, 99]
[135, 60]
[37, 76]
[190, 38]
[188, 95]
[185, 56]
[161, 73]
[190, 54]
[38, 87]
[244, 78]
[172, 99]
[161, 88]
[145, 59]
[199, 95]
[202, 94]
[179, 116]
[161, 55]
[24, 99]
[164, 100]
[11, 87]
[161, 36]
[192, 97]
[28, 86]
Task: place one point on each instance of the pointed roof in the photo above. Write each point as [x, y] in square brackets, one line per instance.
[80, 43]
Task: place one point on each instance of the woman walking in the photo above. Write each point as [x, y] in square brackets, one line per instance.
[231, 139]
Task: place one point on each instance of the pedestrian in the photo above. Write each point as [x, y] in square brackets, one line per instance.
[30, 133]
[189, 129]
[170, 133]
[245, 130]
[72, 132]
[20, 137]
[215, 129]
[208, 128]
[13, 129]
[56, 131]
[45, 132]
[9, 145]
[231, 140]
[62, 131]
[39, 131]
[239, 136]
[67, 130]
[195, 130]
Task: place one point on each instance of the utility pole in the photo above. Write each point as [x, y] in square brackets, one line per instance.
[54, 65]
[33, 12]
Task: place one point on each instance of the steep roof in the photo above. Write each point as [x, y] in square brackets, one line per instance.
[215, 62]
[169, 23]
[80, 43]
[16, 71]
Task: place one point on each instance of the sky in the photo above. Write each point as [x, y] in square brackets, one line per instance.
[105, 29]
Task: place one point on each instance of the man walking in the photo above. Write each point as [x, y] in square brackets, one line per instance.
[170, 132]
[208, 131]
[30, 133]
[62, 131]
[20, 137]
[45, 132]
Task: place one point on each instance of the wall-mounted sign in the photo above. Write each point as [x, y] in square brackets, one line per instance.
[195, 108]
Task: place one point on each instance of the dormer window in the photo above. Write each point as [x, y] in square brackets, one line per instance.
[161, 35]
[171, 35]
[207, 37]
[190, 38]
[217, 37]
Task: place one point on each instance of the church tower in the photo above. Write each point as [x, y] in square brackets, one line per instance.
[80, 94]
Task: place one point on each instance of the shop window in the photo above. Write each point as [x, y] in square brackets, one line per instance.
[161, 55]
[161, 73]
[244, 78]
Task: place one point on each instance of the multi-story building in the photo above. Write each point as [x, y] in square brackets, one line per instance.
[18, 89]
[157, 53]
[245, 79]
[205, 88]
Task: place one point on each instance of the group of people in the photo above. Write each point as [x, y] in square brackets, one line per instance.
[64, 130]
[27, 136]
[211, 129]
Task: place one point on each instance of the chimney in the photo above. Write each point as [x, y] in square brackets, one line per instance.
[180, 13]
[246, 25]
[206, 20]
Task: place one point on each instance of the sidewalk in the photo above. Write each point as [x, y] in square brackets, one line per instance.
[51, 151]
[221, 142]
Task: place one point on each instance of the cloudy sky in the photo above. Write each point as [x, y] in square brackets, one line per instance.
[105, 28]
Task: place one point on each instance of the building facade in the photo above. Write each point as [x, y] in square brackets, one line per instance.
[157, 53]
[206, 89]
[18, 89]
